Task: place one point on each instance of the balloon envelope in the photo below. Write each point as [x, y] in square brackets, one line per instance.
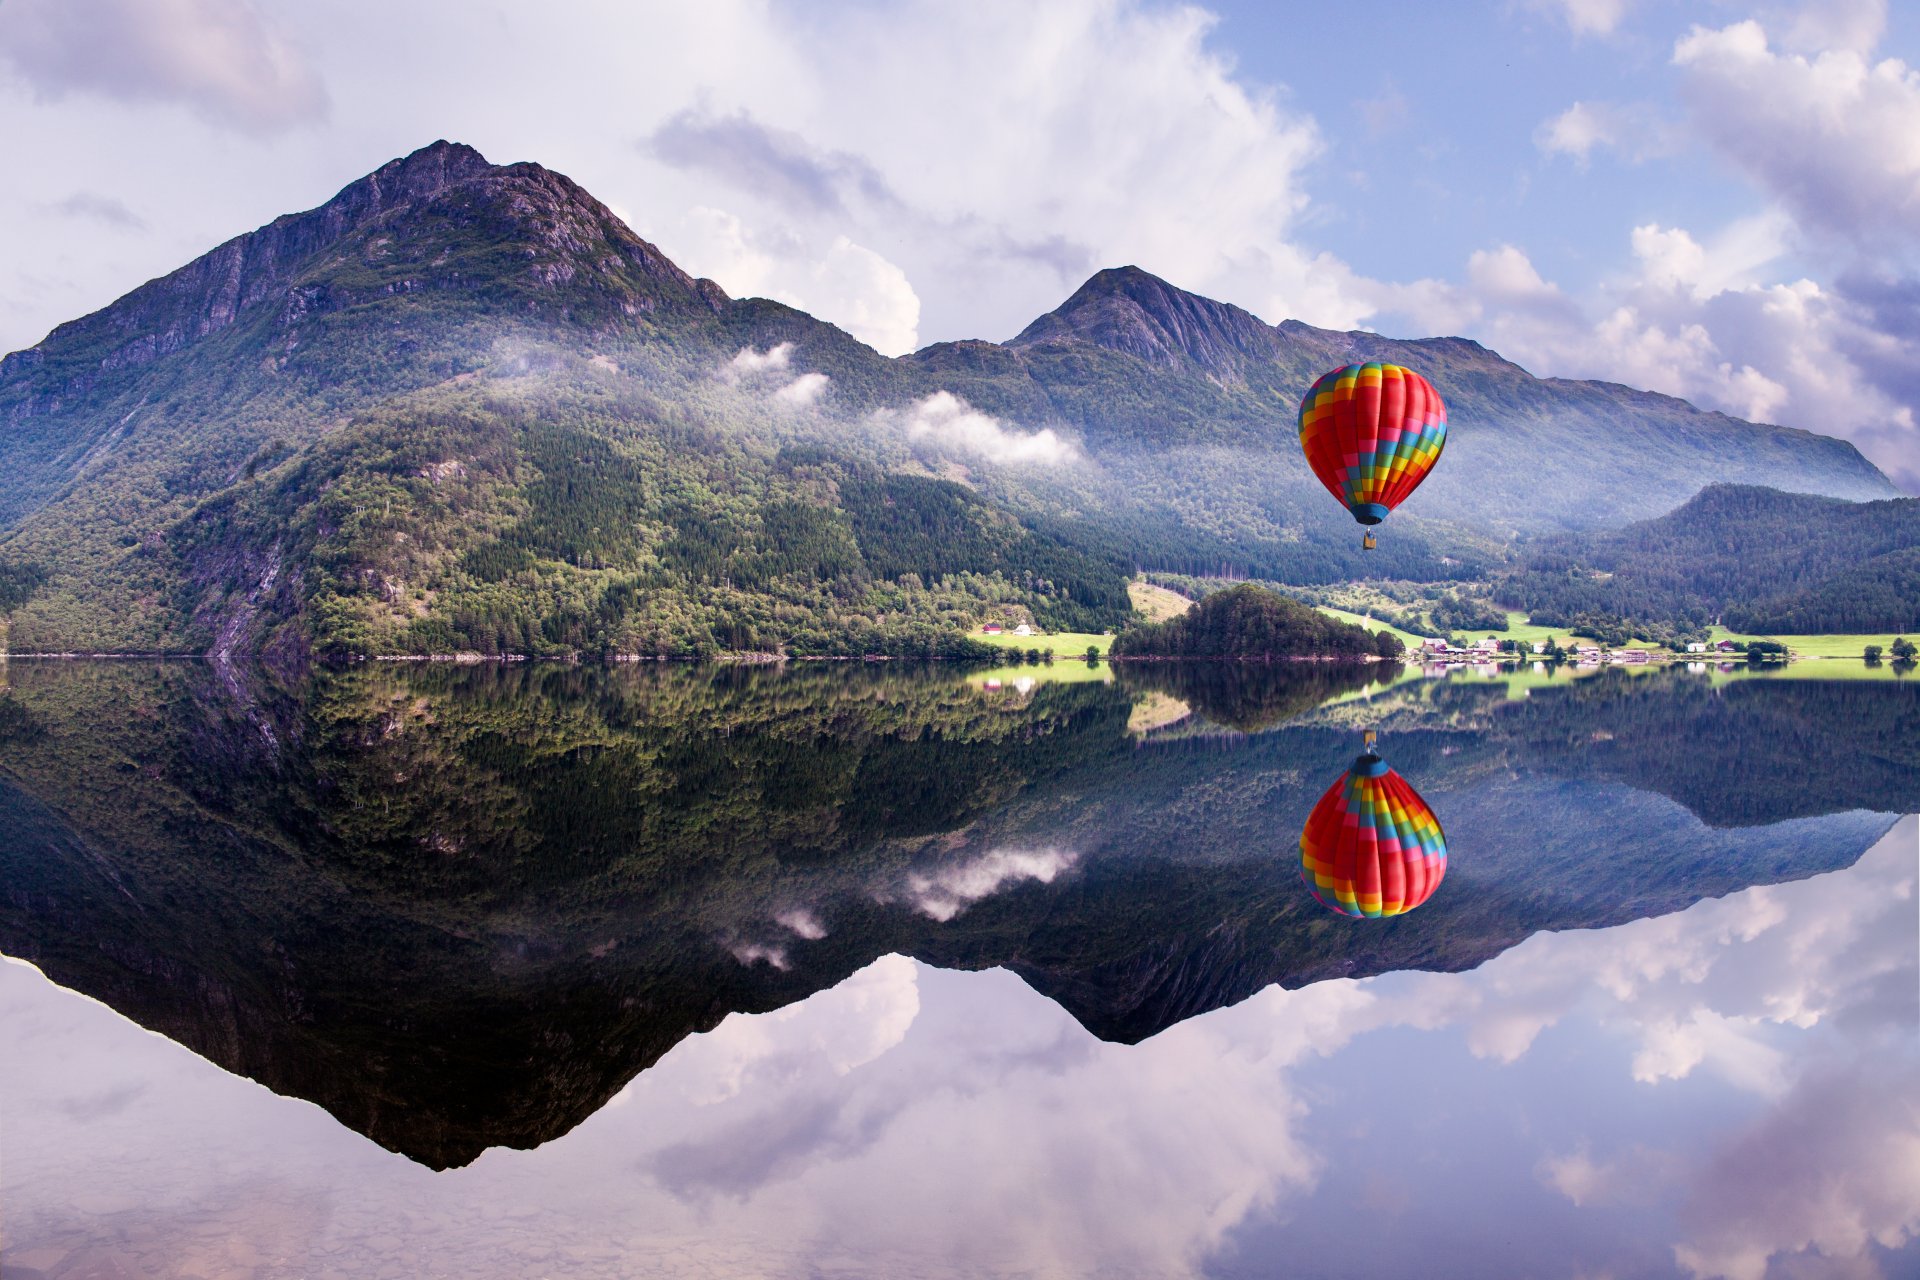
[1371, 846]
[1372, 432]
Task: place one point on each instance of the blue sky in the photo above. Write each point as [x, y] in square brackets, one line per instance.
[1718, 200]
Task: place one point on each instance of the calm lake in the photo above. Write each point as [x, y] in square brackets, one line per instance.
[871, 970]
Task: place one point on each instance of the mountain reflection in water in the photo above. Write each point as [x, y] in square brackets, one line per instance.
[459, 908]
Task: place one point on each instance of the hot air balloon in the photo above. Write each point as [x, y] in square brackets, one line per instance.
[1371, 432]
[1372, 847]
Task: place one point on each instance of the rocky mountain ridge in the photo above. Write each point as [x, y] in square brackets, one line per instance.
[442, 288]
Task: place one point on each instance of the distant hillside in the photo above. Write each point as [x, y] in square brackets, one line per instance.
[1250, 622]
[1755, 558]
[462, 405]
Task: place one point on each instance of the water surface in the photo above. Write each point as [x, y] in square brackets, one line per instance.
[848, 971]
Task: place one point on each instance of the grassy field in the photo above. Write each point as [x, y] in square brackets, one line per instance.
[1823, 646]
[1059, 671]
[1156, 604]
[1061, 644]
[1525, 633]
[1407, 638]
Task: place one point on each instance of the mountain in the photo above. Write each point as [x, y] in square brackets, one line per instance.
[461, 406]
[1753, 557]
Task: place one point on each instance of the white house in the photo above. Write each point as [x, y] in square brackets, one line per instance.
[1023, 630]
[1698, 646]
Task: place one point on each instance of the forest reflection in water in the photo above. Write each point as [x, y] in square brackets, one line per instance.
[462, 908]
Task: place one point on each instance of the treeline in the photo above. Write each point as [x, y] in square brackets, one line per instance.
[1753, 558]
[1879, 594]
[1251, 622]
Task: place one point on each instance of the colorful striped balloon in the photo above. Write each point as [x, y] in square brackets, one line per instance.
[1372, 432]
[1372, 847]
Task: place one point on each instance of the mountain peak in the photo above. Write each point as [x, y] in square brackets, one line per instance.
[440, 218]
[1133, 311]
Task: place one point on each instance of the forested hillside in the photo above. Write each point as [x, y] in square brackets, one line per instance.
[463, 406]
[1250, 622]
[1755, 559]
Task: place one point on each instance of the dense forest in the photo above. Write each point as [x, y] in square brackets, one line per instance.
[1752, 558]
[545, 524]
[1249, 622]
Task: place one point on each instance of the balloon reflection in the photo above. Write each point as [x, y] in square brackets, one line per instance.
[1371, 846]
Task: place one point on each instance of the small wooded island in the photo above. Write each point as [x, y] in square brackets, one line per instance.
[1249, 623]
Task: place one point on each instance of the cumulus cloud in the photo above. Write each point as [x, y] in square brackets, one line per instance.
[1042, 164]
[945, 423]
[1834, 1170]
[1634, 130]
[839, 1030]
[1692, 319]
[222, 58]
[1637, 1176]
[943, 893]
[1833, 136]
[847, 284]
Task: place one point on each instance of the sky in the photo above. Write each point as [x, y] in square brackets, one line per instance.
[1719, 199]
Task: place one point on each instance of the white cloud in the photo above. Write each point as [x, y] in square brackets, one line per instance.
[1692, 320]
[1833, 137]
[840, 1030]
[1044, 173]
[1834, 1170]
[1635, 130]
[221, 58]
[802, 923]
[1588, 17]
[773, 365]
[1637, 1176]
[944, 422]
[1670, 257]
[753, 953]
[748, 363]
[945, 892]
[1575, 132]
[848, 285]
[1819, 25]
[803, 390]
